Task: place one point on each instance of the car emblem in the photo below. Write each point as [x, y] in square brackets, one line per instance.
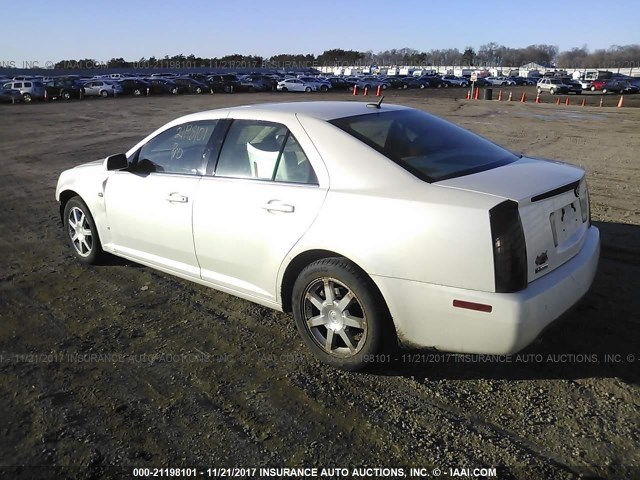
[541, 261]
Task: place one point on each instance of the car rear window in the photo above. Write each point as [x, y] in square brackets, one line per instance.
[430, 148]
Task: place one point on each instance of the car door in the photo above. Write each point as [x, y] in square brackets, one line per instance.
[150, 205]
[264, 195]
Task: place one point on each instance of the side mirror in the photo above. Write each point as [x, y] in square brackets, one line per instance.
[117, 162]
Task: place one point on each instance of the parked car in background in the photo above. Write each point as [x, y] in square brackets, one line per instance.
[585, 84]
[372, 83]
[322, 84]
[425, 81]
[398, 82]
[500, 81]
[338, 83]
[296, 85]
[453, 81]
[573, 86]
[368, 224]
[597, 85]
[64, 89]
[160, 85]
[552, 85]
[102, 88]
[10, 95]
[191, 85]
[134, 86]
[30, 89]
[253, 84]
[629, 88]
[225, 83]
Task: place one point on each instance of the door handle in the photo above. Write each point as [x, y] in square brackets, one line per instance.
[277, 206]
[176, 198]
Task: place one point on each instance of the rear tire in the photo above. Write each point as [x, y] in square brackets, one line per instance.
[339, 313]
[307, 89]
[104, 94]
[66, 95]
[26, 97]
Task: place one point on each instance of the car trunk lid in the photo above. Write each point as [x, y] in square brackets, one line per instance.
[552, 203]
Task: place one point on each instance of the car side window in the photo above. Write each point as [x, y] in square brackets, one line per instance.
[251, 150]
[294, 166]
[264, 151]
[181, 149]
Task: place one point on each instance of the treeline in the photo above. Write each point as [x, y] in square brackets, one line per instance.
[488, 55]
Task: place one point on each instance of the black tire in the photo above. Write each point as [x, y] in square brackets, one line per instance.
[307, 89]
[463, 85]
[593, 89]
[137, 92]
[26, 97]
[104, 94]
[356, 314]
[422, 85]
[552, 91]
[65, 95]
[439, 85]
[604, 91]
[86, 247]
[324, 88]
[285, 89]
[174, 91]
[227, 89]
[198, 90]
[384, 86]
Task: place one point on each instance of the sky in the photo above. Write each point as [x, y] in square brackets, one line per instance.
[49, 31]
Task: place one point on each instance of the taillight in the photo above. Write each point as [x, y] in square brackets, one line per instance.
[509, 249]
[583, 194]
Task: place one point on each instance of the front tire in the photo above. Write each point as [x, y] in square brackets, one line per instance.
[339, 313]
[104, 94]
[307, 89]
[81, 232]
[66, 95]
[26, 97]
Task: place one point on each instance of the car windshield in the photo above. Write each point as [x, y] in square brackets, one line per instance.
[430, 148]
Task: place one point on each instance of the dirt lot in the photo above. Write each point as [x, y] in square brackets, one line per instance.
[119, 365]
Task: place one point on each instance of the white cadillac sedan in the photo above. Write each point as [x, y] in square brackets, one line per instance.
[369, 222]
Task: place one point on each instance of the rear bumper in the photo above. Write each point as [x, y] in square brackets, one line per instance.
[425, 317]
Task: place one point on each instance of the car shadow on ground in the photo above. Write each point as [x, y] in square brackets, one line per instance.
[597, 339]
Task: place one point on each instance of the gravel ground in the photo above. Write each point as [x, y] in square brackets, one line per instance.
[107, 368]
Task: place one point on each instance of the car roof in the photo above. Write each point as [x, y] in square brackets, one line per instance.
[321, 110]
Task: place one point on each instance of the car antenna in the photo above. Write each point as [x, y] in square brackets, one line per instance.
[377, 104]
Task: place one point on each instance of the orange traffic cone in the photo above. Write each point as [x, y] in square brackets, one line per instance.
[500, 96]
[538, 98]
[355, 90]
[621, 101]
[510, 97]
[523, 98]
[584, 102]
[477, 95]
[567, 102]
[558, 101]
[600, 101]
[378, 90]
[366, 91]
[468, 94]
